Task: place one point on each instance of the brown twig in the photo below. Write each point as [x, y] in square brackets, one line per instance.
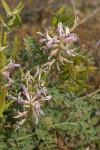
[86, 18]
[59, 141]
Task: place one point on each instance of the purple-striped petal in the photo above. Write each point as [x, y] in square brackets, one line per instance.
[42, 91]
[39, 33]
[70, 38]
[20, 100]
[40, 111]
[25, 91]
[47, 97]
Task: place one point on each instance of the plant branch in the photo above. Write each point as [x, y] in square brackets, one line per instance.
[87, 96]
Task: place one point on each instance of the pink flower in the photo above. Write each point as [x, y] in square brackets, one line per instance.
[7, 70]
[57, 42]
[66, 36]
[32, 102]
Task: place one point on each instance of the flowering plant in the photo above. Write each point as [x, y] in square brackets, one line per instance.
[59, 71]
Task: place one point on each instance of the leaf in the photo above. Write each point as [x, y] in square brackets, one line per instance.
[67, 104]
[60, 11]
[18, 11]
[18, 6]
[59, 117]
[4, 24]
[72, 87]
[65, 75]
[7, 105]
[98, 129]
[2, 60]
[6, 7]
[15, 47]
[2, 100]
[1, 18]
[80, 75]
[68, 19]
[4, 39]
[81, 83]
[92, 68]
[56, 17]
[54, 21]
[10, 22]
[17, 20]
[94, 121]
[3, 145]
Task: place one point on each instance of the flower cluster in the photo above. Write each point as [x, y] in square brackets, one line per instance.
[8, 69]
[57, 43]
[31, 103]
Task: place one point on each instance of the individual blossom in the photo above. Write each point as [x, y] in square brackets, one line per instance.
[32, 102]
[51, 42]
[7, 70]
[65, 35]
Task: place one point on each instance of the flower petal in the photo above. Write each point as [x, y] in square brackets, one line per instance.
[67, 31]
[20, 100]
[60, 28]
[40, 111]
[39, 33]
[47, 97]
[42, 91]
[26, 93]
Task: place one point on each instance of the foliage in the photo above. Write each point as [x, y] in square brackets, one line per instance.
[7, 25]
[36, 122]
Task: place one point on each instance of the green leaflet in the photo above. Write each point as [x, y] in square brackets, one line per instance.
[81, 73]
[60, 11]
[73, 88]
[4, 38]
[3, 106]
[15, 47]
[64, 15]
[18, 6]
[6, 7]
[2, 100]
[17, 20]
[57, 16]
[68, 19]
[94, 121]
[18, 9]
[13, 18]
[54, 21]
[14, 21]
[2, 60]
[7, 105]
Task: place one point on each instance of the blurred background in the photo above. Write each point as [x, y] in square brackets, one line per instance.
[37, 14]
